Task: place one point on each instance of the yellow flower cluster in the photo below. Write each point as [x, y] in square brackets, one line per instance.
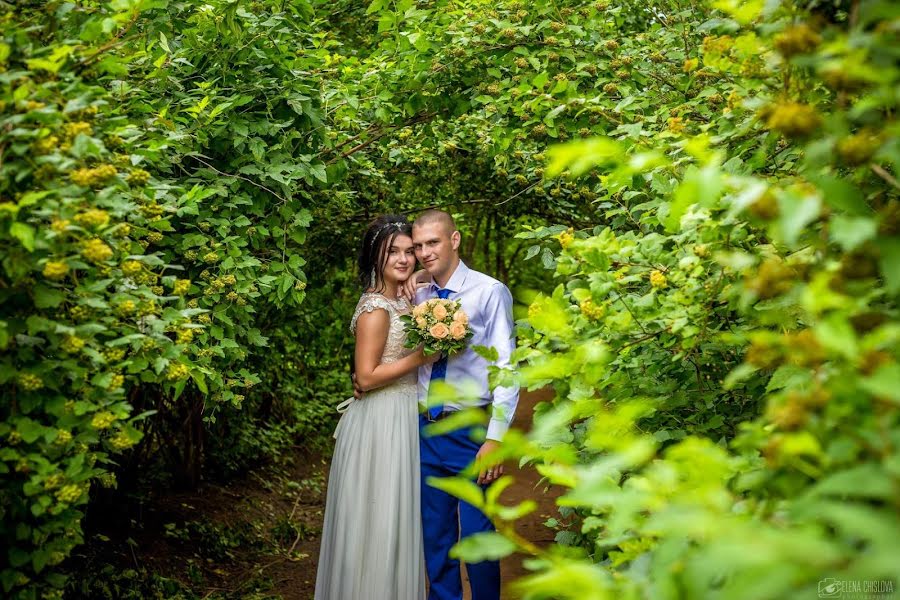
[797, 39]
[93, 218]
[132, 268]
[566, 238]
[126, 307]
[96, 251]
[114, 354]
[675, 124]
[92, 177]
[185, 336]
[177, 371]
[30, 382]
[72, 344]
[858, 148]
[611, 45]
[773, 278]
[121, 441]
[46, 145]
[138, 177]
[14, 439]
[55, 269]
[63, 437]
[793, 119]
[657, 279]
[717, 44]
[59, 225]
[152, 210]
[210, 257]
[70, 130]
[591, 311]
[53, 481]
[690, 65]
[103, 419]
[78, 312]
[610, 88]
[117, 381]
[69, 493]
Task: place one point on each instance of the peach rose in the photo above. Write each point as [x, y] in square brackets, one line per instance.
[420, 310]
[439, 331]
[460, 317]
[421, 322]
[458, 330]
[439, 312]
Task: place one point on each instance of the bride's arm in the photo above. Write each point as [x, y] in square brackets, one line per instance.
[371, 336]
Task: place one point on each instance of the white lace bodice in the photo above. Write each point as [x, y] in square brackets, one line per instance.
[393, 348]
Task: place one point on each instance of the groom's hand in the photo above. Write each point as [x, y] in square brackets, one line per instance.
[488, 474]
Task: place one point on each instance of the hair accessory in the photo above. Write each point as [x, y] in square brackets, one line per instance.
[396, 224]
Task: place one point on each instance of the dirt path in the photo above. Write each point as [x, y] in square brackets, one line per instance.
[257, 535]
[301, 585]
[526, 486]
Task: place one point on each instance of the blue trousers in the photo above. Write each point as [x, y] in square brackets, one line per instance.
[446, 519]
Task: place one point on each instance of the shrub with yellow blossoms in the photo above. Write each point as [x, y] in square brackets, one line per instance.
[96, 250]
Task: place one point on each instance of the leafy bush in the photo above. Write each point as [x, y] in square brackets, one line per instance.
[724, 343]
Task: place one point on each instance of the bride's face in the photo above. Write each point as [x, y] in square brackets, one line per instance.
[401, 260]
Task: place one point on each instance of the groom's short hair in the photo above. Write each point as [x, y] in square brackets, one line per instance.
[434, 215]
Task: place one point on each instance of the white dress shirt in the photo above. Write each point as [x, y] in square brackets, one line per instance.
[489, 306]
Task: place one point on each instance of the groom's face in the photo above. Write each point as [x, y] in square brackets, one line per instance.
[436, 247]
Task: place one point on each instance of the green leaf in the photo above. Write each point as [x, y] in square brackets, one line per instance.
[890, 263]
[863, 481]
[458, 420]
[488, 353]
[885, 383]
[24, 233]
[479, 547]
[583, 155]
[464, 489]
[797, 211]
[47, 297]
[851, 232]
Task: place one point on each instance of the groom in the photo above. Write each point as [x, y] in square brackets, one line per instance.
[488, 304]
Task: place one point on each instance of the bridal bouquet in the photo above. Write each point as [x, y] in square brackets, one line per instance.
[442, 325]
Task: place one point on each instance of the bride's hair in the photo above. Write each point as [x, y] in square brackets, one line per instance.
[374, 252]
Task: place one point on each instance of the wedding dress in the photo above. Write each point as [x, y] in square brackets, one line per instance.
[372, 535]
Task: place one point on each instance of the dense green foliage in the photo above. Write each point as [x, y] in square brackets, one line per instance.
[182, 184]
[724, 342]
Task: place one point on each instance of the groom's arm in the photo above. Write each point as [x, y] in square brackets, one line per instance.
[500, 334]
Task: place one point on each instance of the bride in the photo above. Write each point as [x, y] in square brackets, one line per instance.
[372, 536]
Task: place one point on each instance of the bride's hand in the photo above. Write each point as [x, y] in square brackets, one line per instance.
[429, 359]
[416, 280]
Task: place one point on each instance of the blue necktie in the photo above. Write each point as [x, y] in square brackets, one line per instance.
[439, 369]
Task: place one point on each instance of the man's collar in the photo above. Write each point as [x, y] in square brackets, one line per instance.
[456, 280]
